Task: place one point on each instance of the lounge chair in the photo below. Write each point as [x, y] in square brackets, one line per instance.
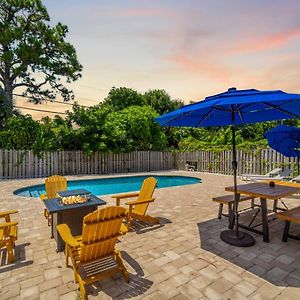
[296, 179]
[138, 208]
[8, 234]
[273, 173]
[95, 257]
[282, 175]
[53, 184]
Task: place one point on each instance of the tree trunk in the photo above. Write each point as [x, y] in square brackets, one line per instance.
[8, 90]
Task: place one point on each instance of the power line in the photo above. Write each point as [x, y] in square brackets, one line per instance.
[41, 110]
[55, 101]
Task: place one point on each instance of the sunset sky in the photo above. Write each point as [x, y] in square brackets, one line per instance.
[189, 48]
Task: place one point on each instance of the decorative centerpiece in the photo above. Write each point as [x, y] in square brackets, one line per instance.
[73, 200]
[74, 196]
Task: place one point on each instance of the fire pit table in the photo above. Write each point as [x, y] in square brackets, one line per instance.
[71, 214]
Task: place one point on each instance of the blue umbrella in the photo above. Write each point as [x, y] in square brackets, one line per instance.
[285, 140]
[235, 107]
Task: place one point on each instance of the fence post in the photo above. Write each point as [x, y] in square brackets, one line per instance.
[1, 164]
[149, 157]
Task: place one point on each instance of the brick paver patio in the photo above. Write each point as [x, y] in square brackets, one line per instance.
[183, 258]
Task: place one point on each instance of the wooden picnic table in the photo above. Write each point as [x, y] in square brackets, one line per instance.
[265, 192]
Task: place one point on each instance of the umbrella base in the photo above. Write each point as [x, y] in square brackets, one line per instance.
[243, 239]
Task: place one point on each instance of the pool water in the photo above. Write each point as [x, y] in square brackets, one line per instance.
[112, 185]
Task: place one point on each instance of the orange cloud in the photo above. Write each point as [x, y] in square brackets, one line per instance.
[268, 42]
[204, 67]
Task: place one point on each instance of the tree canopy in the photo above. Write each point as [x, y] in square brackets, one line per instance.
[124, 122]
[34, 56]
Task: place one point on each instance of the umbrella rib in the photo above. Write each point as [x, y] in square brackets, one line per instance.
[205, 117]
[241, 117]
[220, 108]
[178, 117]
[280, 109]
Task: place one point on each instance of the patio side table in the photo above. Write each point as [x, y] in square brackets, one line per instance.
[72, 215]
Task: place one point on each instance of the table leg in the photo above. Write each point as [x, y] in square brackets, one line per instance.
[275, 205]
[220, 211]
[52, 236]
[286, 231]
[264, 216]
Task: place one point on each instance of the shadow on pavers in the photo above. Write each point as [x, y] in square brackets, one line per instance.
[276, 262]
[20, 259]
[141, 227]
[117, 288]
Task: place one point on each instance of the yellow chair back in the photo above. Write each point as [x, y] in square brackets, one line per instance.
[146, 193]
[55, 184]
[100, 231]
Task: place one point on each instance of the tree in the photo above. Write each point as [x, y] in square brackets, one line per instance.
[56, 134]
[33, 55]
[133, 128]
[120, 98]
[20, 132]
[161, 102]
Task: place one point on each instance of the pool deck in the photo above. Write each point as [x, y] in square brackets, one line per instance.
[182, 258]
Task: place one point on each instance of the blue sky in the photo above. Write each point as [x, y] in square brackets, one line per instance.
[189, 48]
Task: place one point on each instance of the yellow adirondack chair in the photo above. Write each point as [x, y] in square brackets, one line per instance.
[95, 257]
[53, 184]
[8, 234]
[138, 208]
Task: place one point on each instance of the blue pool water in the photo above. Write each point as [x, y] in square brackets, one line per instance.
[113, 185]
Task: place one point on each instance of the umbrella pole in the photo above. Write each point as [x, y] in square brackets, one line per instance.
[236, 196]
[235, 237]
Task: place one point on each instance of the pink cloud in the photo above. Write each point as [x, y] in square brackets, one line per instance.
[268, 42]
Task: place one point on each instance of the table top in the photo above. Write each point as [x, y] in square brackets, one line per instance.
[54, 205]
[73, 192]
[263, 190]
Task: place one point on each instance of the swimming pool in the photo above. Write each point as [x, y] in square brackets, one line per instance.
[111, 185]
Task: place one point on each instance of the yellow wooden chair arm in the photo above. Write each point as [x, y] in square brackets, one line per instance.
[43, 197]
[3, 214]
[124, 196]
[8, 224]
[140, 202]
[67, 236]
[127, 195]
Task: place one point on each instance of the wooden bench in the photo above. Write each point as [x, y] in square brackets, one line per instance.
[290, 215]
[229, 201]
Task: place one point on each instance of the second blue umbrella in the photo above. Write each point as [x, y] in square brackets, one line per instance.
[285, 140]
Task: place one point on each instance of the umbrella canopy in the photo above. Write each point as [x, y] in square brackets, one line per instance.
[285, 140]
[235, 107]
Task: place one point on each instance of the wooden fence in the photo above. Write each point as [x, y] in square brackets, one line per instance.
[15, 164]
[250, 162]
